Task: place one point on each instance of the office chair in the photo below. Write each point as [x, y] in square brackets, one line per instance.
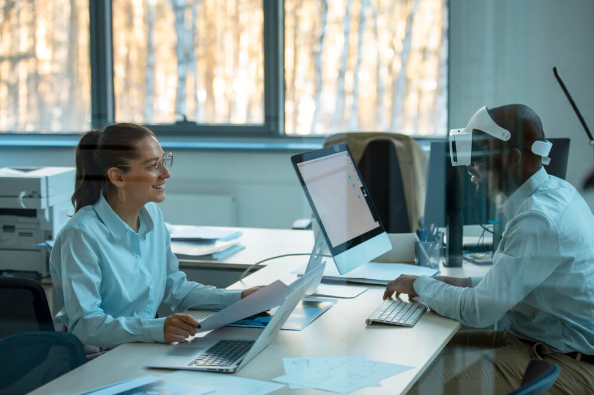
[539, 376]
[399, 196]
[30, 360]
[380, 170]
[23, 307]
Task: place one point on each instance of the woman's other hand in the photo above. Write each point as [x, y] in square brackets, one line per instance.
[251, 290]
[178, 327]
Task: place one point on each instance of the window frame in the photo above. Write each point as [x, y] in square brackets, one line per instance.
[103, 99]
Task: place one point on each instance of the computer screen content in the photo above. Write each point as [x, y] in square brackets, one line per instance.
[339, 196]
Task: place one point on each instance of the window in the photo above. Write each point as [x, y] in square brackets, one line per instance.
[44, 66]
[365, 65]
[212, 67]
[199, 59]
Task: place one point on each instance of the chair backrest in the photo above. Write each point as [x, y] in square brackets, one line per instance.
[23, 307]
[30, 360]
[539, 376]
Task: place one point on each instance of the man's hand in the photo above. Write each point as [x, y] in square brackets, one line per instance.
[402, 285]
[178, 327]
[251, 290]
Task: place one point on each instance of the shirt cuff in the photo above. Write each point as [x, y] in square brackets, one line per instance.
[230, 296]
[420, 285]
[154, 330]
[475, 280]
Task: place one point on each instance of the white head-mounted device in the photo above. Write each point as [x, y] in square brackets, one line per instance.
[461, 139]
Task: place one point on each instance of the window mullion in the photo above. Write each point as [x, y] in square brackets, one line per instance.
[274, 98]
[100, 37]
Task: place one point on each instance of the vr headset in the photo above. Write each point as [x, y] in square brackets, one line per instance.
[461, 139]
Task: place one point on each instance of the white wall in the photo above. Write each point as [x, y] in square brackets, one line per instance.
[503, 51]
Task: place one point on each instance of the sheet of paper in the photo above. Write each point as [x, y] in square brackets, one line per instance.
[197, 233]
[337, 374]
[224, 383]
[188, 248]
[375, 272]
[151, 385]
[266, 298]
[339, 291]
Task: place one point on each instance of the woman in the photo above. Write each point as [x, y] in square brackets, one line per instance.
[112, 264]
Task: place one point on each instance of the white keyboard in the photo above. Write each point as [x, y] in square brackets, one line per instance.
[396, 312]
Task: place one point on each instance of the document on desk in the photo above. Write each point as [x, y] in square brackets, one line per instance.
[152, 385]
[337, 374]
[374, 272]
[224, 383]
[266, 298]
[201, 233]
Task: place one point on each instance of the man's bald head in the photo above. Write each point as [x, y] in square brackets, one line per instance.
[523, 124]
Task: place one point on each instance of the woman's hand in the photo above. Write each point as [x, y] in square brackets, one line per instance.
[251, 290]
[178, 327]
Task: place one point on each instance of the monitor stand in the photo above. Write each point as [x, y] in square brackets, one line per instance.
[316, 259]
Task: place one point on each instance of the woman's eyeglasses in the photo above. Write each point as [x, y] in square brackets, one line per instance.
[166, 162]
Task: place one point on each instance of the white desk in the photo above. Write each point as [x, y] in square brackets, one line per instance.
[339, 331]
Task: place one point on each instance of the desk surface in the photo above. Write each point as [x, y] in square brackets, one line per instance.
[339, 331]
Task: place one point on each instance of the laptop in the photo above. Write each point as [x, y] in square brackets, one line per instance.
[228, 349]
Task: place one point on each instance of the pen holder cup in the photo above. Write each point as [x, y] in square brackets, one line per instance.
[427, 254]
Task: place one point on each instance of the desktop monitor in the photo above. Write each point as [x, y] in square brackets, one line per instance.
[342, 206]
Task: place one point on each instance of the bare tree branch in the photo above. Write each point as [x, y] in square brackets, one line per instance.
[340, 94]
[318, 68]
[399, 87]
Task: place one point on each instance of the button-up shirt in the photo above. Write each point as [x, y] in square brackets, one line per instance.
[541, 286]
[111, 279]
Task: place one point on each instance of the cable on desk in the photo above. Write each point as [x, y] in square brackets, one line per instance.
[246, 271]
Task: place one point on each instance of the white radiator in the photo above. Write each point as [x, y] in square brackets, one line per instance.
[199, 209]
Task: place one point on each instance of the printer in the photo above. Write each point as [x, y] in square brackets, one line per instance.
[34, 206]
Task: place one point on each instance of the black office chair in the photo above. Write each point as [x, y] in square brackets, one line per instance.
[30, 360]
[23, 307]
[380, 170]
[539, 376]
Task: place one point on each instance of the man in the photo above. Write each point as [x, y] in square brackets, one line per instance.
[540, 291]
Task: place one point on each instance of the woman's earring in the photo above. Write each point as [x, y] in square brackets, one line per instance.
[120, 197]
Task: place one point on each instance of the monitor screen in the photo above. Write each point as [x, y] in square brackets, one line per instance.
[339, 197]
[340, 202]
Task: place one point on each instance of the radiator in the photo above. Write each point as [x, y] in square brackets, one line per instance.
[199, 209]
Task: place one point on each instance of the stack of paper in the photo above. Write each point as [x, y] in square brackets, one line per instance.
[337, 374]
[203, 241]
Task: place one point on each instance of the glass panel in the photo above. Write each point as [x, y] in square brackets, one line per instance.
[202, 59]
[45, 78]
[366, 65]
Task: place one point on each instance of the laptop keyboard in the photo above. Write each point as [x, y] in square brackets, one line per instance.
[396, 312]
[223, 353]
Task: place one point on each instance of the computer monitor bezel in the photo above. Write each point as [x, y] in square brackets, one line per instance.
[349, 244]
